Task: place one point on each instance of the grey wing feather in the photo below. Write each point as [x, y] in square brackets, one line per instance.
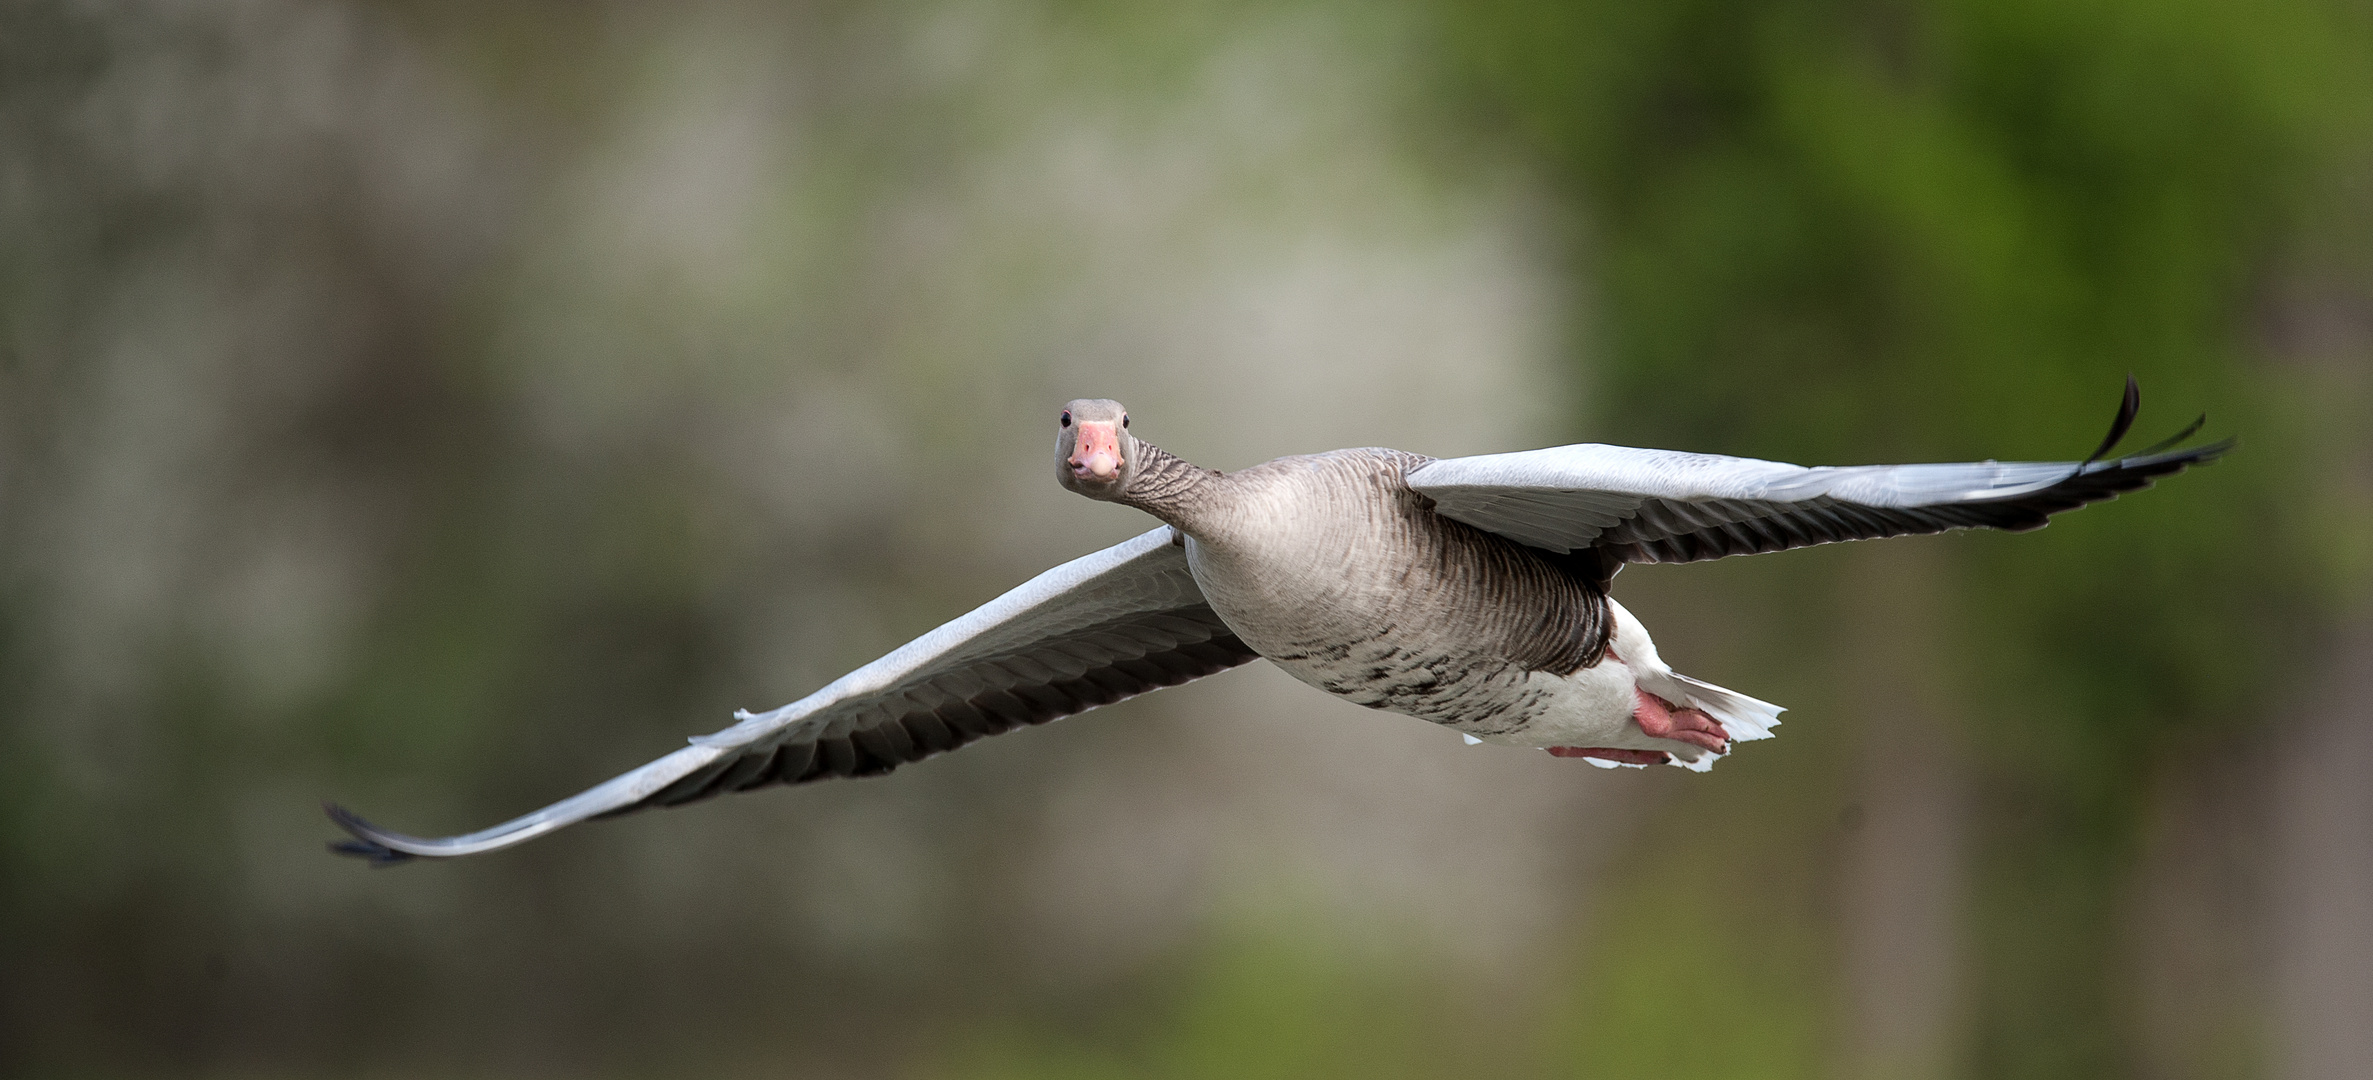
[1667, 506]
[1107, 626]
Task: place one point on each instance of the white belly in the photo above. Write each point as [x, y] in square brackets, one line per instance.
[1591, 707]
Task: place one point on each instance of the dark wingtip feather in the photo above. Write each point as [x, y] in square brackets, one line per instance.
[363, 846]
[2202, 455]
[2128, 409]
[2177, 439]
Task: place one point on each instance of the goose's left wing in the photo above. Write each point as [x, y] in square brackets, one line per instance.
[1090, 632]
[1667, 506]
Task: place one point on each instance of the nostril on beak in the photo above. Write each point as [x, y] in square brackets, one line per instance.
[1098, 453]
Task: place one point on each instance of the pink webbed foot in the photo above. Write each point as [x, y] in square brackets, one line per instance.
[1660, 719]
[1657, 717]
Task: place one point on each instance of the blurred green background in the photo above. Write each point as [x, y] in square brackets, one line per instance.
[442, 406]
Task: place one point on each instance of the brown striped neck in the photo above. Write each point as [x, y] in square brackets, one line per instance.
[1168, 486]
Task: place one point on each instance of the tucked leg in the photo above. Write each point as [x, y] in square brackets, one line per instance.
[1658, 718]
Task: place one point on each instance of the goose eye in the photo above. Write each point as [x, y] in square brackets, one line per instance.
[1124, 419]
[1066, 418]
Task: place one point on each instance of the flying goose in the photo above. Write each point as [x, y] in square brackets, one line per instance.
[1472, 592]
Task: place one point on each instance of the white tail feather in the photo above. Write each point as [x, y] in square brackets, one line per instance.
[1743, 718]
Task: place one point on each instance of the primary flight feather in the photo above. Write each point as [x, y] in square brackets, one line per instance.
[1472, 592]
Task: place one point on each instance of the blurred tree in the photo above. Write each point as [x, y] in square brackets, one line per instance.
[1830, 232]
[451, 399]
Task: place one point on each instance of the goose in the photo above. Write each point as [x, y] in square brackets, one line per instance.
[1472, 592]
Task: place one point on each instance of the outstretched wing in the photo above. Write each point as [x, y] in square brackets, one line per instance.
[1090, 632]
[1666, 506]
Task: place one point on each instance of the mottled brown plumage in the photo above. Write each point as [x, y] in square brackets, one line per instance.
[1331, 567]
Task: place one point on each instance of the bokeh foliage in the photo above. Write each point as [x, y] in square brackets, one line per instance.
[1839, 232]
[1834, 232]
[1802, 229]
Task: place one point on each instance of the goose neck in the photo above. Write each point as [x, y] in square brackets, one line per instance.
[1171, 488]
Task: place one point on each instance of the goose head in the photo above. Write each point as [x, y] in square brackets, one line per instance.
[1094, 453]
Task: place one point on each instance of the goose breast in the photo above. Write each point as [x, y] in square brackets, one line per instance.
[1335, 570]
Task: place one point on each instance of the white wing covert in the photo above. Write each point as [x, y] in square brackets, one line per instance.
[1107, 626]
[1667, 506]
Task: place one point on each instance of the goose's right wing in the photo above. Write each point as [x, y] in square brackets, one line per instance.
[1667, 506]
[1090, 632]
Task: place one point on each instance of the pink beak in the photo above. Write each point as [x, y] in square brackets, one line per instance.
[1097, 452]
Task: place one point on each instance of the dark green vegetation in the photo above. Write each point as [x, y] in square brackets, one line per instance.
[441, 405]
[1936, 231]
